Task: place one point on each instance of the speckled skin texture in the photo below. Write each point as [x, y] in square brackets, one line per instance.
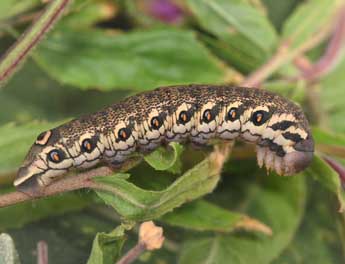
[194, 113]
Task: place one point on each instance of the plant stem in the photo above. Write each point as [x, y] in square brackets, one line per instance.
[73, 182]
[283, 56]
[132, 254]
[19, 51]
[331, 56]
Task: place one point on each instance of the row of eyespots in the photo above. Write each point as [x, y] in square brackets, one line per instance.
[258, 118]
[57, 155]
[88, 145]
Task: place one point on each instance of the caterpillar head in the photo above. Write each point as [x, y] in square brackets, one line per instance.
[53, 155]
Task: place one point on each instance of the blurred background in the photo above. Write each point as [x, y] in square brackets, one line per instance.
[102, 51]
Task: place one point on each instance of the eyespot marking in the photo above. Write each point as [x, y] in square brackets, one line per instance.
[156, 122]
[124, 133]
[43, 138]
[207, 116]
[260, 117]
[184, 117]
[233, 114]
[56, 155]
[87, 145]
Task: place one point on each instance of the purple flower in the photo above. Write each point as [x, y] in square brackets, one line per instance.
[166, 10]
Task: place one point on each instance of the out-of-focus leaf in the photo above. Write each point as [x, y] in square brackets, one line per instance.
[8, 252]
[106, 248]
[15, 142]
[329, 143]
[320, 235]
[279, 204]
[142, 60]
[166, 158]
[278, 11]
[325, 137]
[86, 13]
[71, 233]
[135, 203]
[247, 33]
[18, 215]
[205, 216]
[309, 18]
[295, 92]
[332, 95]
[322, 172]
[25, 98]
[10, 8]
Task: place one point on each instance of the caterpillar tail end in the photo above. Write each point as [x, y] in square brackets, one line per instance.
[291, 163]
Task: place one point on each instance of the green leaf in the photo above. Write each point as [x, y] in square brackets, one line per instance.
[140, 60]
[322, 172]
[18, 215]
[15, 142]
[10, 8]
[247, 33]
[135, 203]
[325, 137]
[278, 11]
[332, 97]
[84, 14]
[166, 158]
[309, 18]
[278, 203]
[106, 248]
[205, 216]
[321, 230]
[8, 252]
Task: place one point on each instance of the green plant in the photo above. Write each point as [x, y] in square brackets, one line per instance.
[101, 51]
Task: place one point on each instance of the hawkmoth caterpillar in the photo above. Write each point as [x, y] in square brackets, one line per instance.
[194, 113]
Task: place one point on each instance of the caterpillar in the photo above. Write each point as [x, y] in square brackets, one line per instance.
[194, 113]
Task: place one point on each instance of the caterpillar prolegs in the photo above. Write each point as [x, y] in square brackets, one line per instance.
[194, 113]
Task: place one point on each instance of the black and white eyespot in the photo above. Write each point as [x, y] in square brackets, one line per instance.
[208, 116]
[124, 133]
[88, 145]
[56, 155]
[233, 114]
[184, 117]
[260, 117]
[156, 122]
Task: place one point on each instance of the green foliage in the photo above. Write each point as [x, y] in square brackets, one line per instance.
[166, 159]
[308, 19]
[102, 51]
[328, 178]
[245, 35]
[11, 8]
[135, 203]
[106, 248]
[138, 60]
[192, 216]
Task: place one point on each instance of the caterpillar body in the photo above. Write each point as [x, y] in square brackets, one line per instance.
[194, 113]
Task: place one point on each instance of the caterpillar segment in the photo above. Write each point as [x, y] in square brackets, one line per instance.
[186, 113]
